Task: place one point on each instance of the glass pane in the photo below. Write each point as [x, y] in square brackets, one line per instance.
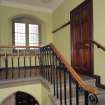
[33, 35]
[33, 28]
[20, 36]
[20, 27]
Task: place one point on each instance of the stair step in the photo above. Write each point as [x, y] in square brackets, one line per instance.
[100, 96]
[89, 80]
[56, 101]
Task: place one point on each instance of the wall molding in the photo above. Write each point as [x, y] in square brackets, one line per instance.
[26, 7]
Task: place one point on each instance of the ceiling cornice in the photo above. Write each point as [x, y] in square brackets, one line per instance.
[26, 7]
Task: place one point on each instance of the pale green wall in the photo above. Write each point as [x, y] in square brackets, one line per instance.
[62, 37]
[6, 13]
[36, 90]
[99, 36]
[60, 16]
[46, 97]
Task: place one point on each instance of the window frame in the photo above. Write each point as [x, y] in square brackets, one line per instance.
[26, 20]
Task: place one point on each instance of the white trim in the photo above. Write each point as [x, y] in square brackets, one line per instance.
[27, 7]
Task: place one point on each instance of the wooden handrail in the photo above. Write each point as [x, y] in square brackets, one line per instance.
[20, 54]
[64, 25]
[71, 70]
[98, 45]
[13, 46]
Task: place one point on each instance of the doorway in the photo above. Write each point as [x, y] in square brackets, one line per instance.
[81, 34]
[20, 98]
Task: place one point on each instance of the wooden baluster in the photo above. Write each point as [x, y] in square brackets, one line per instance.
[30, 61]
[24, 63]
[39, 71]
[18, 51]
[35, 63]
[6, 65]
[12, 64]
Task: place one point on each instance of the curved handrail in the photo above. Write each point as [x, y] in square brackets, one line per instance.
[71, 70]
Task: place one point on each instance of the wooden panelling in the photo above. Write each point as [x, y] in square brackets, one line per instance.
[81, 33]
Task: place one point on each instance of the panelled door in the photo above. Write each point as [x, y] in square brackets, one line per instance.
[81, 34]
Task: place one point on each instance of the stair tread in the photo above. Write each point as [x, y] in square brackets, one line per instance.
[89, 80]
[85, 77]
[100, 90]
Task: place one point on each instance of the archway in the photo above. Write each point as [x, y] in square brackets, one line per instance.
[20, 98]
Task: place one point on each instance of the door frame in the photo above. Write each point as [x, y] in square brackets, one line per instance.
[90, 44]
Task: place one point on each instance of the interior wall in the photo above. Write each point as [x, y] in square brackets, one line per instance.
[38, 91]
[62, 38]
[7, 13]
[60, 16]
[34, 90]
[99, 36]
[46, 96]
[9, 100]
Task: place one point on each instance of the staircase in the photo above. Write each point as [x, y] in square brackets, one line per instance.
[66, 87]
[89, 80]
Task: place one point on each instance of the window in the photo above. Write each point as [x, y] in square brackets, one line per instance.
[25, 32]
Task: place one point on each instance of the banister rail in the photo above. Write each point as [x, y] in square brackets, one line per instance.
[47, 62]
[98, 45]
[73, 73]
[18, 62]
[61, 27]
[13, 46]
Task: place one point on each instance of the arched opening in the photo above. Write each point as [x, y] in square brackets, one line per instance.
[23, 98]
[20, 98]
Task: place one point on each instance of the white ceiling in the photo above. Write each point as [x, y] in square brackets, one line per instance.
[38, 5]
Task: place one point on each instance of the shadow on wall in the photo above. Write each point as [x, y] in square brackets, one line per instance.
[20, 98]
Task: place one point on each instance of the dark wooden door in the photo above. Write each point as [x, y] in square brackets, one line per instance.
[81, 33]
